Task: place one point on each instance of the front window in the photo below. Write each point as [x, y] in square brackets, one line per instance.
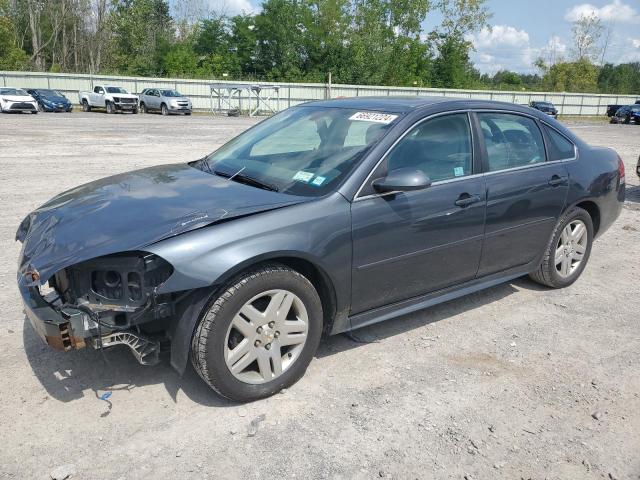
[440, 147]
[13, 91]
[170, 93]
[301, 151]
[116, 90]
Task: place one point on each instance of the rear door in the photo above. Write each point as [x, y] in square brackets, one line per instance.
[406, 244]
[525, 190]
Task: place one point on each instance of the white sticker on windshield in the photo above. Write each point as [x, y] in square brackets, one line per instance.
[303, 176]
[458, 171]
[375, 117]
[318, 180]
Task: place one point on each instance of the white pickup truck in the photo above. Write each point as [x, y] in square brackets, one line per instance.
[110, 97]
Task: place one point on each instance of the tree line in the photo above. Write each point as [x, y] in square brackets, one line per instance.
[368, 42]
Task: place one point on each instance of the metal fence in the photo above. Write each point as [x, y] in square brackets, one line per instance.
[291, 94]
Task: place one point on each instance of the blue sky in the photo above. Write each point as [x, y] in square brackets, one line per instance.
[523, 30]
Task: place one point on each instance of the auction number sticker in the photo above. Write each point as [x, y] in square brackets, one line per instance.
[303, 176]
[375, 117]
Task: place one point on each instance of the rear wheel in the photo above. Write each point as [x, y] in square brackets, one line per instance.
[259, 335]
[164, 109]
[568, 251]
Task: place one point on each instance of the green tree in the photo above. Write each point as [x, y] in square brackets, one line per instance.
[141, 36]
[579, 76]
[11, 56]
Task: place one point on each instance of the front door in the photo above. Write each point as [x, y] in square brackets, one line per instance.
[410, 243]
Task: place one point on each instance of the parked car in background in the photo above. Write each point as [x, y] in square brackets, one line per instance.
[627, 114]
[110, 97]
[612, 109]
[16, 100]
[327, 217]
[164, 100]
[50, 100]
[546, 107]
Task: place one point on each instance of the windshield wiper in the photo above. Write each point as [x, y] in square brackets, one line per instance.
[248, 180]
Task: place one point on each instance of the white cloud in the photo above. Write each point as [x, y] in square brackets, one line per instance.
[616, 11]
[500, 35]
[506, 47]
[635, 42]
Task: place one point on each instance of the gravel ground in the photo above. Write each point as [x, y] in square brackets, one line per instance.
[512, 382]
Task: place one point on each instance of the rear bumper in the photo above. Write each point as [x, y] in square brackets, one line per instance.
[61, 328]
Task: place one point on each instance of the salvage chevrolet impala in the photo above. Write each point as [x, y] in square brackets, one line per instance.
[325, 218]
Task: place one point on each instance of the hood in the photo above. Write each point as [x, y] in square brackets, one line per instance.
[131, 211]
[54, 98]
[17, 98]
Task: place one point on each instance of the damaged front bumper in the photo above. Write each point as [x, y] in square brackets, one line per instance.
[64, 327]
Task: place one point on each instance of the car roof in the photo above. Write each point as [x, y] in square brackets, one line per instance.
[405, 104]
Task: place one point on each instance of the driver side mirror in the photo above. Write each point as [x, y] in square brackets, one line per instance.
[402, 180]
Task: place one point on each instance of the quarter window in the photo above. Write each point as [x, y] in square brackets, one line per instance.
[511, 140]
[440, 147]
[559, 147]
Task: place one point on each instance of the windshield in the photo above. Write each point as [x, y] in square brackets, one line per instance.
[545, 104]
[49, 93]
[116, 90]
[301, 151]
[170, 93]
[13, 91]
[635, 108]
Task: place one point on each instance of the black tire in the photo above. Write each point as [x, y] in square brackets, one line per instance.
[187, 113]
[34, 112]
[143, 108]
[110, 108]
[164, 109]
[85, 106]
[135, 111]
[207, 345]
[40, 107]
[547, 274]
[627, 120]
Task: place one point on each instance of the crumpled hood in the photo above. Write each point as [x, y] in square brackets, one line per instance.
[133, 210]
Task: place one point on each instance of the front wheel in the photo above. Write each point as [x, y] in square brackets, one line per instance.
[110, 108]
[143, 108]
[164, 109]
[568, 251]
[259, 335]
[85, 106]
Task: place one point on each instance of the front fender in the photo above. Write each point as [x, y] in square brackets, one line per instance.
[318, 232]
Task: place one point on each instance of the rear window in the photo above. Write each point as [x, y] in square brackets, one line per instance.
[560, 148]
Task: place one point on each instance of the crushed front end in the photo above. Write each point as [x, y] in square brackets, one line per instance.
[102, 302]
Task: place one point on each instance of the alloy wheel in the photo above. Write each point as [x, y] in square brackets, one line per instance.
[266, 337]
[571, 248]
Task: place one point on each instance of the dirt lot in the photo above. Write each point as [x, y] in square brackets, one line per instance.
[516, 381]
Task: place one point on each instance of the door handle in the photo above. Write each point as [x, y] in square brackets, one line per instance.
[464, 200]
[557, 180]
